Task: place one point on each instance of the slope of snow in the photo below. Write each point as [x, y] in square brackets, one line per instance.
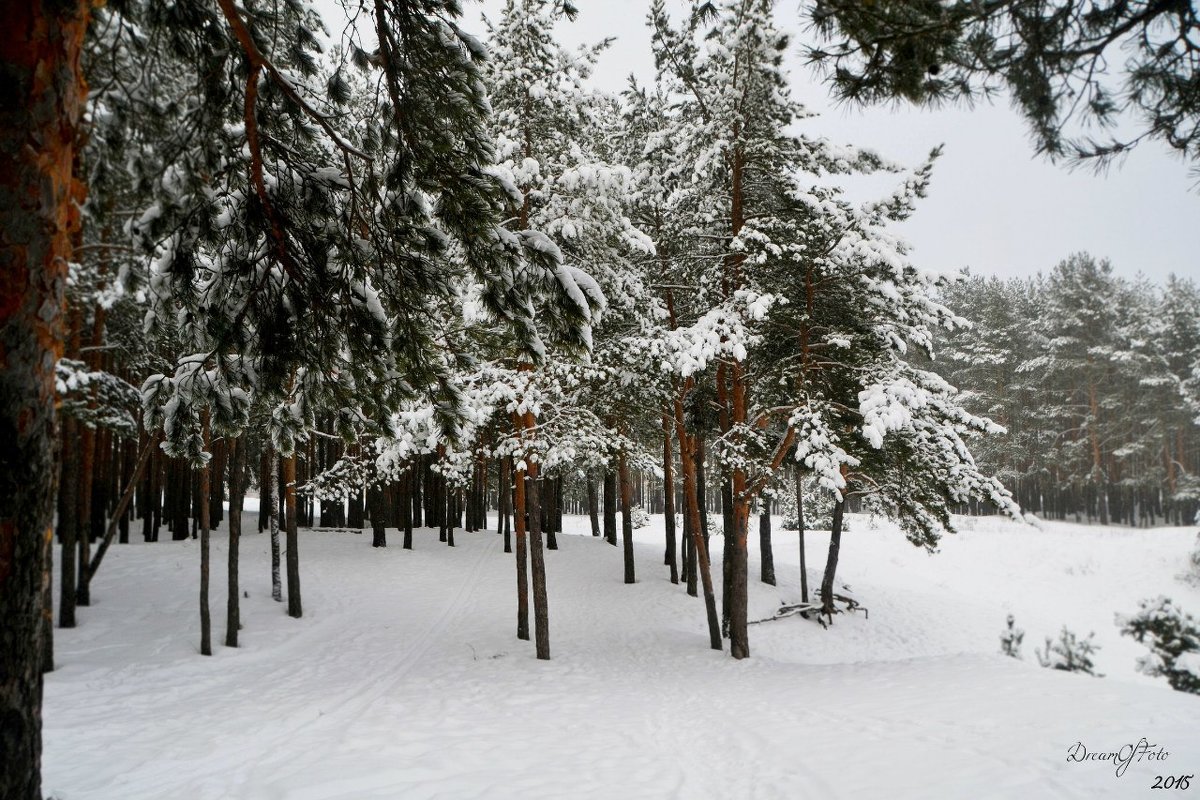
[405, 679]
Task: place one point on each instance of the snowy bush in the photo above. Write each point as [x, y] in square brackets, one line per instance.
[1069, 654]
[639, 516]
[1174, 641]
[1011, 638]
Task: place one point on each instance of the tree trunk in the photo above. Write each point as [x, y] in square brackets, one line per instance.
[728, 535]
[68, 525]
[272, 503]
[406, 507]
[669, 500]
[378, 515]
[504, 500]
[519, 518]
[205, 488]
[550, 508]
[800, 530]
[44, 91]
[295, 608]
[83, 533]
[593, 507]
[237, 492]
[626, 516]
[687, 448]
[831, 561]
[610, 507]
[767, 565]
[122, 504]
[537, 563]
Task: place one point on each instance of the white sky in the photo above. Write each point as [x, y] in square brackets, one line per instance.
[993, 206]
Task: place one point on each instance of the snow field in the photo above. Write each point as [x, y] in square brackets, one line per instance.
[405, 679]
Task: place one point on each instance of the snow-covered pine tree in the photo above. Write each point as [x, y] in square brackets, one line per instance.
[811, 304]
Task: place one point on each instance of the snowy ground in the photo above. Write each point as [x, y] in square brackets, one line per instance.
[404, 679]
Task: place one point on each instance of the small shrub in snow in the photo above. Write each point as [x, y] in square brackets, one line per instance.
[1174, 641]
[1011, 638]
[1069, 653]
[639, 516]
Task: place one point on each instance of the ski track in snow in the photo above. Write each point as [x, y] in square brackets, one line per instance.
[405, 678]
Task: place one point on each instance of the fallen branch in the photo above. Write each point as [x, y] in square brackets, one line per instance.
[804, 609]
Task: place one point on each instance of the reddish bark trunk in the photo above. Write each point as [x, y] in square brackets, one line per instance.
[41, 99]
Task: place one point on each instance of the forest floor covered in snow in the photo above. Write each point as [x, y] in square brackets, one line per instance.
[404, 678]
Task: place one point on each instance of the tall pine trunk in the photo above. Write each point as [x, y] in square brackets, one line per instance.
[272, 502]
[537, 563]
[626, 516]
[205, 488]
[767, 558]
[669, 500]
[831, 560]
[687, 459]
[237, 494]
[40, 47]
[520, 517]
[593, 503]
[406, 506]
[68, 525]
[295, 608]
[610, 507]
[800, 529]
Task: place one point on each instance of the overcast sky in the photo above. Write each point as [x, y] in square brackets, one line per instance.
[993, 206]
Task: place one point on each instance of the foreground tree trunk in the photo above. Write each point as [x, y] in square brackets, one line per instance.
[295, 609]
[44, 91]
[237, 493]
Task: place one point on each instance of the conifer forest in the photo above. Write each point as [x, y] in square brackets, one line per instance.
[621, 441]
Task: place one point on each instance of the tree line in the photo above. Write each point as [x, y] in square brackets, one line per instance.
[1095, 378]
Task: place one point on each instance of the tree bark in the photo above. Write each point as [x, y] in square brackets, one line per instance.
[593, 506]
[767, 558]
[68, 525]
[669, 500]
[687, 445]
[537, 563]
[406, 506]
[800, 529]
[237, 493]
[205, 488]
[831, 561]
[610, 507]
[626, 516]
[295, 609]
[519, 518]
[272, 503]
[135, 478]
[43, 96]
